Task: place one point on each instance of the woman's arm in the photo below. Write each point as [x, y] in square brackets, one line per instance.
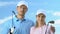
[52, 29]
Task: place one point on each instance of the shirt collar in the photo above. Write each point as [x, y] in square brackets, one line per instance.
[20, 19]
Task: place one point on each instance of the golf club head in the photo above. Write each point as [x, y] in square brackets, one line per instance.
[52, 22]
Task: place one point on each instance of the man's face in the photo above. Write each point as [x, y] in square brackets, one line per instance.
[40, 18]
[22, 9]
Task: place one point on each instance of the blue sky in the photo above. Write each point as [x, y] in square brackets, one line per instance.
[51, 7]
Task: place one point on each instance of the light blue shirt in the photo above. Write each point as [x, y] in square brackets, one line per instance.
[5, 27]
[22, 26]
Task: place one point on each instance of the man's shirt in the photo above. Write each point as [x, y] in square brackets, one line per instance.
[22, 26]
[5, 27]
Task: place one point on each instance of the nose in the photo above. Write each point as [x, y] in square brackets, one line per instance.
[40, 18]
[22, 8]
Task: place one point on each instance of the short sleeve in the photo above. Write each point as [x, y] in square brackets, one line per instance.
[31, 30]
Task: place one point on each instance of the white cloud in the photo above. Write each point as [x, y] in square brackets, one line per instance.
[56, 32]
[56, 13]
[57, 21]
[5, 19]
[53, 12]
[7, 3]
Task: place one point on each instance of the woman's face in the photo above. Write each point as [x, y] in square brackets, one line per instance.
[40, 18]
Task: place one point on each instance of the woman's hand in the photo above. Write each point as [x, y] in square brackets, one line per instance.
[52, 29]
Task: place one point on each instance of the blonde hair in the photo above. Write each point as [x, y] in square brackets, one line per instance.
[37, 24]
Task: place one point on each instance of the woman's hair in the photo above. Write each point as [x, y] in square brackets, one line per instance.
[37, 24]
[41, 14]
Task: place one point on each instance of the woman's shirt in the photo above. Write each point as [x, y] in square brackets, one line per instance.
[41, 30]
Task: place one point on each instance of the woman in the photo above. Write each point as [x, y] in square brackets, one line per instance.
[41, 27]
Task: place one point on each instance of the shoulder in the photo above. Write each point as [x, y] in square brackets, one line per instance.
[33, 27]
[30, 21]
[14, 17]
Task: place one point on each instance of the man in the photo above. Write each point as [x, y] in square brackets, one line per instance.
[21, 24]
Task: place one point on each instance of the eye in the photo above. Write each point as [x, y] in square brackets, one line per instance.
[38, 16]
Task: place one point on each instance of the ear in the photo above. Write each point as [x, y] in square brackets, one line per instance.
[17, 8]
[26, 9]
